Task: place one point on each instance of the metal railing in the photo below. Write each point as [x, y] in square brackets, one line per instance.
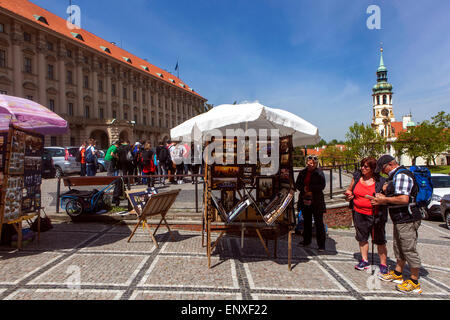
[341, 168]
[194, 178]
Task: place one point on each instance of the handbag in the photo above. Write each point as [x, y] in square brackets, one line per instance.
[46, 224]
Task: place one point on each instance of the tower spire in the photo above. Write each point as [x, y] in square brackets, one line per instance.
[381, 56]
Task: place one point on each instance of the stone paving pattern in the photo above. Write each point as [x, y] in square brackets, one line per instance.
[110, 268]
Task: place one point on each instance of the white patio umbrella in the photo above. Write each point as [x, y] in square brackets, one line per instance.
[248, 116]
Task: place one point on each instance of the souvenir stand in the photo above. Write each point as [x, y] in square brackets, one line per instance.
[238, 196]
[20, 177]
[23, 124]
[241, 197]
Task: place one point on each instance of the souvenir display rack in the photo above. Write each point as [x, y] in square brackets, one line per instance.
[239, 197]
[20, 178]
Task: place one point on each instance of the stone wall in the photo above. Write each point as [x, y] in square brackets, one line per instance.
[338, 215]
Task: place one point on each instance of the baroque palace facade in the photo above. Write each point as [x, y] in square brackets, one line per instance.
[103, 91]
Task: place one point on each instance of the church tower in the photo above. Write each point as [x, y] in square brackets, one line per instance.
[383, 114]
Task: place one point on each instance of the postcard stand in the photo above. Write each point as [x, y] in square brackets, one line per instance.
[20, 178]
[234, 215]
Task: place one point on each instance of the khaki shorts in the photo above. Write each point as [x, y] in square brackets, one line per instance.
[405, 243]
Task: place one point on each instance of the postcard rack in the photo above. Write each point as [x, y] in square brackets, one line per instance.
[239, 197]
[21, 178]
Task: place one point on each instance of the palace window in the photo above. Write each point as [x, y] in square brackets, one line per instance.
[69, 53]
[50, 46]
[50, 72]
[86, 82]
[69, 77]
[101, 113]
[27, 37]
[113, 89]
[100, 85]
[53, 142]
[384, 99]
[70, 107]
[86, 112]
[2, 59]
[144, 120]
[125, 116]
[72, 141]
[125, 93]
[51, 105]
[2, 27]
[29, 97]
[28, 65]
[134, 96]
[114, 114]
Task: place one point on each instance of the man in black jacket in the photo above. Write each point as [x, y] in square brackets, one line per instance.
[125, 163]
[165, 161]
[311, 183]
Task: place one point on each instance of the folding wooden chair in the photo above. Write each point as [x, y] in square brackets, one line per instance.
[158, 204]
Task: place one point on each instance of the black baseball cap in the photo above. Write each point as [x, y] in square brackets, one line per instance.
[382, 161]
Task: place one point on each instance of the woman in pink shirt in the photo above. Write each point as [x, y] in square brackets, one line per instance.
[367, 219]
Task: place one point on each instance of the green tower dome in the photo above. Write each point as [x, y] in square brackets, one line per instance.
[382, 85]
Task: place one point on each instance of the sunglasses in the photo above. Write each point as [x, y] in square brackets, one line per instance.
[312, 158]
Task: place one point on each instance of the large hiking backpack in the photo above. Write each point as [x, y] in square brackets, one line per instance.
[89, 156]
[424, 184]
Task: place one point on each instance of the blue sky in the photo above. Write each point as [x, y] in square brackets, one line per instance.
[316, 59]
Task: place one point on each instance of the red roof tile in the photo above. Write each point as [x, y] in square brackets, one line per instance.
[27, 10]
[398, 127]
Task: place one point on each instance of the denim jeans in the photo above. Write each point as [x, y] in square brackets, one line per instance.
[109, 168]
[91, 170]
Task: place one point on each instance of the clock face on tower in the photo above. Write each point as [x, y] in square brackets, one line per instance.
[385, 112]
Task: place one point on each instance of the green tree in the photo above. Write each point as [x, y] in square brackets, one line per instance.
[363, 141]
[408, 143]
[205, 108]
[428, 139]
[332, 156]
[299, 157]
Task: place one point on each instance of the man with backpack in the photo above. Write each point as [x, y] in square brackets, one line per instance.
[400, 194]
[165, 160]
[81, 158]
[177, 154]
[111, 158]
[148, 165]
[126, 161]
[91, 159]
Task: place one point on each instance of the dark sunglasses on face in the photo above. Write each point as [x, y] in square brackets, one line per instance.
[312, 158]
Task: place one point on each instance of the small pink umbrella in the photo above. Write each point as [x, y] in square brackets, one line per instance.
[29, 115]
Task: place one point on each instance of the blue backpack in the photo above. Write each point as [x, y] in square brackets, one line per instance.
[422, 177]
[89, 156]
[424, 184]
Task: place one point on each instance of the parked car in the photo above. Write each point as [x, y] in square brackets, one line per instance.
[441, 187]
[101, 161]
[445, 210]
[48, 167]
[64, 160]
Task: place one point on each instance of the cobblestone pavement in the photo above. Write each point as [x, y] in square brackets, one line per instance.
[91, 261]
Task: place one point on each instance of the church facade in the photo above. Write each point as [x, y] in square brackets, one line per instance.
[383, 119]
